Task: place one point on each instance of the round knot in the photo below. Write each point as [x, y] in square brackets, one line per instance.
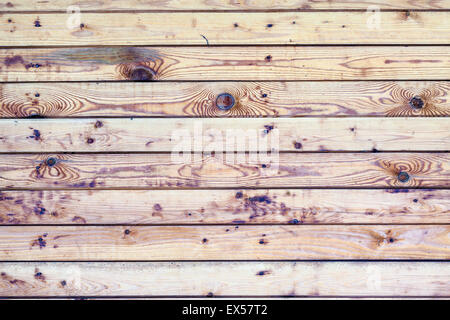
[416, 103]
[141, 74]
[403, 176]
[225, 101]
[50, 162]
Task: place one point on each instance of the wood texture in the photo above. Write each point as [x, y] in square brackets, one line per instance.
[126, 5]
[252, 99]
[95, 97]
[74, 243]
[167, 135]
[226, 63]
[28, 171]
[303, 279]
[206, 28]
[225, 207]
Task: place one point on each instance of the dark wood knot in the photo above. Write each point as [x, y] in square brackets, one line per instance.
[51, 162]
[416, 103]
[403, 176]
[225, 101]
[142, 74]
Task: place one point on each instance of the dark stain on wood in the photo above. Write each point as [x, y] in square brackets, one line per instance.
[36, 135]
[17, 282]
[39, 275]
[9, 61]
[40, 241]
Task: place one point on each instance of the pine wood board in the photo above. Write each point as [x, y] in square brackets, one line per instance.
[154, 243]
[213, 63]
[198, 99]
[294, 170]
[225, 28]
[283, 206]
[183, 5]
[219, 135]
[202, 279]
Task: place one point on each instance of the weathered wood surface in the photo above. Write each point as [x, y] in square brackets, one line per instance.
[166, 135]
[375, 170]
[131, 5]
[285, 206]
[226, 63]
[303, 279]
[252, 99]
[300, 242]
[222, 28]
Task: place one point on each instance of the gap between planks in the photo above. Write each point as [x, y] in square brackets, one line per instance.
[289, 279]
[225, 63]
[252, 99]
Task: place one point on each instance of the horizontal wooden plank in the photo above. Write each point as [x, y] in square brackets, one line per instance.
[225, 63]
[244, 170]
[252, 99]
[131, 5]
[72, 243]
[225, 206]
[171, 135]
[222, 28]
[302, 279]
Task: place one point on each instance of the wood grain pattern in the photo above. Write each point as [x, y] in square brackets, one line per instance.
[74, 243]
[252, 99]
[221, 28]
[28, 171]
[127, 5]
[219, 135]
[308, 279]
[287, 206]
[225, 63]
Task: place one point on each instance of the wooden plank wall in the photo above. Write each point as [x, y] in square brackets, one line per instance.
[93, 203]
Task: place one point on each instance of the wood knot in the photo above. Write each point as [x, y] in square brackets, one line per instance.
[142, 73]
[51, 162]
[225, 101]
[416, 102]
[403, 176]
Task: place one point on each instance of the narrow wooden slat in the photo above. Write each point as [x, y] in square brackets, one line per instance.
[308, 279]
[253, 99]
[128, 5]
[165, 135]
[196, 171]
[72, 243]
[226, 63]
[225, 207]
[225, 28]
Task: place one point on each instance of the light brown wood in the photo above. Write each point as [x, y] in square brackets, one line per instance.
[252, 99]
[226, 63]
[54, 171]
[128, 5]
[73, 243]
[170, 135]
[225, 206]
[221, 28]
[293, 279]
